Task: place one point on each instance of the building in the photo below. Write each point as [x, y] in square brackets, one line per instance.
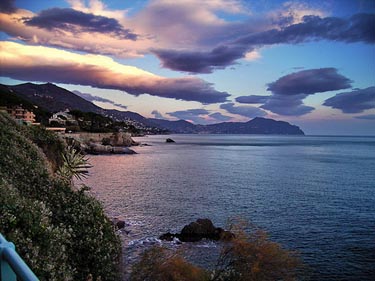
[62, 118]
[20, 114]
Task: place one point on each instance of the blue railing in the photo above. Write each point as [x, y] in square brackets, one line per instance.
[12, 265]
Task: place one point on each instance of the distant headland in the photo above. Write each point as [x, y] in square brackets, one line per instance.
[45, 100]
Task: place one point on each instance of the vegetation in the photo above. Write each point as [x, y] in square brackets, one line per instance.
[62, 233]
[248, 257]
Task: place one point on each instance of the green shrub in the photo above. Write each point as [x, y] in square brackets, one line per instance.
[62, 233]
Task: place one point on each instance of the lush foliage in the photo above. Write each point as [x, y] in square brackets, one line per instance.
[93, 122]
[247, 257]
[62, 233]
[75, 165]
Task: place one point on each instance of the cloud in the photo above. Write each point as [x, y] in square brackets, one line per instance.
[92, 98]
[289, 91]
[217, 116]
[354, 29]
[366, 117]
[199, 116]
[194, 115]
[7, 6]
[252, 99]
[203, 26]
[247, 111]
[200, 62]
[157, 114]
[308, 82]
[357, 28]
[52, 65]
[77, 22]
[355, 101]
[287, 105]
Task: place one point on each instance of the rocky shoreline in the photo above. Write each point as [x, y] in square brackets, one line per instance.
[102, 143]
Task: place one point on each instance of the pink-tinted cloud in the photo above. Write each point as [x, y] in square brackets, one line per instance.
[33, 63]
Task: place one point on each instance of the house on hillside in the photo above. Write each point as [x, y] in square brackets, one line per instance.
[63, 118]
[20, 114]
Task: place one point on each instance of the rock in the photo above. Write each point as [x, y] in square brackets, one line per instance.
[95, 148]
[167, 236]
[169, 140]
[99, 148]
[195, 231]
[198, 230]
[118, 223]
[145, 144]
[122, 150]
[121, 139]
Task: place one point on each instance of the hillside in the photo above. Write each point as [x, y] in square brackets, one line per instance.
[53, 98]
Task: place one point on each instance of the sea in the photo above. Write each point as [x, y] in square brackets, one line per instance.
[312, 194]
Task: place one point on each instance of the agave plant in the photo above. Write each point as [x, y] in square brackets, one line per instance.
[75, 165]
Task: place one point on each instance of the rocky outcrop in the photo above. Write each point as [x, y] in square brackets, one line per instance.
[198, 230]
[122, 139]
[95, 148]
[169, 140]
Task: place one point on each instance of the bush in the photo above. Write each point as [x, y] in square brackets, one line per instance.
[62, 233]
[252, 257]
[247, 257]
[159, 264]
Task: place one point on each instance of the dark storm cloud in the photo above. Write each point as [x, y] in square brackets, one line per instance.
[289, 91]
[92, 98]
[157, 114]
[309, 82]
[200, 62]
[355, 101]
[247, 111]
[7, 6]
[358, 28]
[252, 99]
[77, 21]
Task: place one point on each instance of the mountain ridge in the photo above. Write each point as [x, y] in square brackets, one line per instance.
[54, 98]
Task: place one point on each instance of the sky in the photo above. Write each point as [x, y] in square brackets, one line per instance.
[311, 63]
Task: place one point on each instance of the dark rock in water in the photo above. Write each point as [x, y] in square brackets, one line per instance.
[167, 236]
[118, 223]
[145, 144]
[198, 230]
[169, 140]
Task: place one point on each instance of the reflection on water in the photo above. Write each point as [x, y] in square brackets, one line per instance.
[312, 194]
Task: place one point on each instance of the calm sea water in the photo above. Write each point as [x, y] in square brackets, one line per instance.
[313, 194]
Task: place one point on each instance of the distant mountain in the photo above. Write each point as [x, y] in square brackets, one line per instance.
[257, 125]
[179, 127]
[54, 99]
